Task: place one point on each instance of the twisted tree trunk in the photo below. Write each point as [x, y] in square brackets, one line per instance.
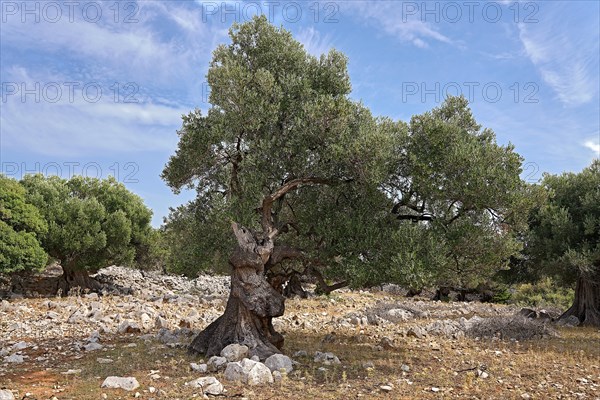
[73, 278]
[252, 302]
[586, 305]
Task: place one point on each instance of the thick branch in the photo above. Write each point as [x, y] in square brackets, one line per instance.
[267, 204]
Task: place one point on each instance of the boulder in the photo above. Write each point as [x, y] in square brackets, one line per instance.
[235, 352]
[6, 395]
[248, 372]
[278, 362]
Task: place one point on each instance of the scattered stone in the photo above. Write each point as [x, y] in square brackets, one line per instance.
[368, 364]
[405, 368]
[20, 346]
[6, 395]
[202, 368]
[72, 372]
[116, 382]
[160, 322]
[52, 315]
[128, 326]
[300, 353]
[417, 332]
[435, 390]
[208, 384]
[277, 376]
[278, 362]
[104, 360]
[216, 363]
[93, 346]
[385, 388]
[15, 358]
[386, 343]
[235, 352]
[326, 358]
[248, 372]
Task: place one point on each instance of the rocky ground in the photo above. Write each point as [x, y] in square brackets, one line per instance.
[356, 344]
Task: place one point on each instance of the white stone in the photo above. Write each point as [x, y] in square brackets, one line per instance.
[208, 384]
[249, 372]
[234, 352]
[129, 327]
[20, 346]
[116, 382]
[326, 358]
[278, 362]
[15, 358]
[93, 346]
[216, 363]
[6, 395]
[202, 368]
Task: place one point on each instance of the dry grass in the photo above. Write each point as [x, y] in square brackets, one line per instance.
[553, 367]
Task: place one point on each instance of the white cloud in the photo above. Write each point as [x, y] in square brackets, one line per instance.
[315, 43]
[122, 49]
[564, 48]
[593, 145]
[389, 17]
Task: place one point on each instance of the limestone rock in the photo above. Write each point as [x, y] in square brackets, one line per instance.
[216, 363]
[116, 382]
[249, 372]
[6, 395]
[235, 352]
[202, 368]
[208, 384]
[278, 362]
[326, 358]
[128, 326]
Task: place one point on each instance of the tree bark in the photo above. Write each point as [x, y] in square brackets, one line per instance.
[586, 305]
[294, 287]
[252, 303]
[73, 278]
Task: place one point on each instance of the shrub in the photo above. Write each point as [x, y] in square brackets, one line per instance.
[544, 293]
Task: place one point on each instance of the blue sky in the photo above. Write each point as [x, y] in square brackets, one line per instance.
[98, 87]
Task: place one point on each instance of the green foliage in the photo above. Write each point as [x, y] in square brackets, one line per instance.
[198, 239]
[435, 201]
[565, 232]
[545, 293]
[153, 253]
[20, 225]
[456, 182]
[92, 223]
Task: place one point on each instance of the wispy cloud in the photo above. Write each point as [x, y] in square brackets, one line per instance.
[314, 42]
[389, 17]
[565, 50]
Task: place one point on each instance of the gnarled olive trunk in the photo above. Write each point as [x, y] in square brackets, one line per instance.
[73, 278]
[586, 305]
[252, 303]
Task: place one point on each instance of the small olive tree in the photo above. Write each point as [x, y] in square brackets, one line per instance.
[92, 223]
